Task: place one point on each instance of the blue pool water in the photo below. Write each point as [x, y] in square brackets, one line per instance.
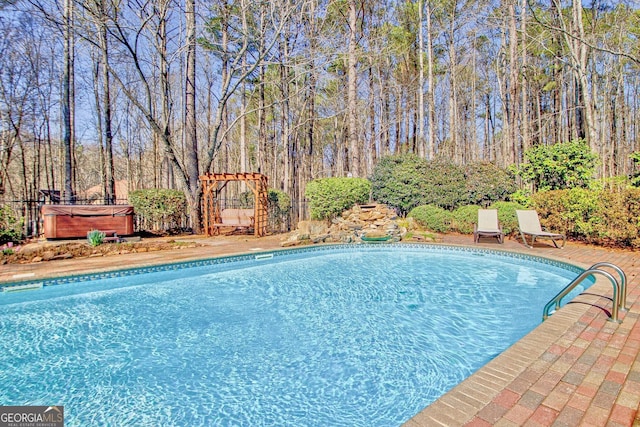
[355, 336]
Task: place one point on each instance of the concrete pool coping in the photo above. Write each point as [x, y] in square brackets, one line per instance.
[576, 368]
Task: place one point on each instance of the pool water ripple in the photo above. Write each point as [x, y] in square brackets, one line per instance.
[341, 338]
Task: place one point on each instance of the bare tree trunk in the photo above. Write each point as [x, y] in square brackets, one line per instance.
[68, 194]
[352, 83]
[100, 126]
[421, 139]
[284, 119]
[109, 176]
[512, 106]
[191, 138]
[453, 83]
[243, 124]
[385, 120]
[165, 93]
[262, 125]
[581, 53]
[371, 155]
[430, 88]
[525, 114]
[574, 38]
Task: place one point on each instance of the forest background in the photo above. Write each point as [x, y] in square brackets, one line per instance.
[157, 93]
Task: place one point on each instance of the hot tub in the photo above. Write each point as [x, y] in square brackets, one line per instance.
[74, 221]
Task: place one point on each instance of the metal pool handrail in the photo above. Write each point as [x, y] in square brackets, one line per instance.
[623, 281]
[619, 288]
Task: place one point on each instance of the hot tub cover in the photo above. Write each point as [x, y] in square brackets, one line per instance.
[87, 210]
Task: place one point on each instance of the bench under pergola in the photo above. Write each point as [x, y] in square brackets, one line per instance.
[216, 217]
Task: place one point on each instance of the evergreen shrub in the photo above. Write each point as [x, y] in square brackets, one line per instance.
[432, 217]
[10, 226]
[464, 218]
[559, 166]
[329, 197]
[406, 181]
[507, 216]
[158, 207]
[446, 185]
[399, 182]
[610, 218]
[279, 206]
[487, 183]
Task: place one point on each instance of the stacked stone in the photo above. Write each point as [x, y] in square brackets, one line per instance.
[373, 221]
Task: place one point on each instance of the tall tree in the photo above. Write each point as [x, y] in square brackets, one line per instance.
[68, 95]
[421, 143]
[190, 128]
[352, 85]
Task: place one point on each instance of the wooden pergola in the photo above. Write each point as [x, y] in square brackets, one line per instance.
[214, 183]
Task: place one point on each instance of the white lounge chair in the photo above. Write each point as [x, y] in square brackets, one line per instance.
[529, 224]
[488, 225]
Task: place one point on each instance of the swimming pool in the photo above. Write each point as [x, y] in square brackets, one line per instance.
[347, 335]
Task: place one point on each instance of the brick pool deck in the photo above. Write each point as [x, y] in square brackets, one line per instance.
[575, 369]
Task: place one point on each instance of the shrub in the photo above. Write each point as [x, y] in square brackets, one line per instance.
[279, 206]
[399, 181]
[432, 217]
[487, 183]
[446, 185]
[635, 177]
[95, 237]
[595, 216]
[559, 166]
[329, 197]
[10, 226]
[507, 216]
[574, 211]
[521, 197]
[464, 218]
[158, 207]
[406, 181]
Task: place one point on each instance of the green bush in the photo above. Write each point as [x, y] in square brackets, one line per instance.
[432, 217]
[559, 166]
[279, 207]
[399, 181]
[279, 201]
[507, 216]
[635, 177]
[329, 197]
[95, 237]
[595, 216]
[574, 211]
[10, 226]
[446, 185]
[521, 197]
[158, 206]
[406, 181]
[464, 218]
[487, 183]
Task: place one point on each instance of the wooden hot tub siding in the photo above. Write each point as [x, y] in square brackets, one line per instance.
[74, 221]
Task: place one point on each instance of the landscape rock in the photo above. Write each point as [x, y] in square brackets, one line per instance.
[371, 220]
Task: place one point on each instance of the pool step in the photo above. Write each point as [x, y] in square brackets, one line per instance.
[18, 288]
